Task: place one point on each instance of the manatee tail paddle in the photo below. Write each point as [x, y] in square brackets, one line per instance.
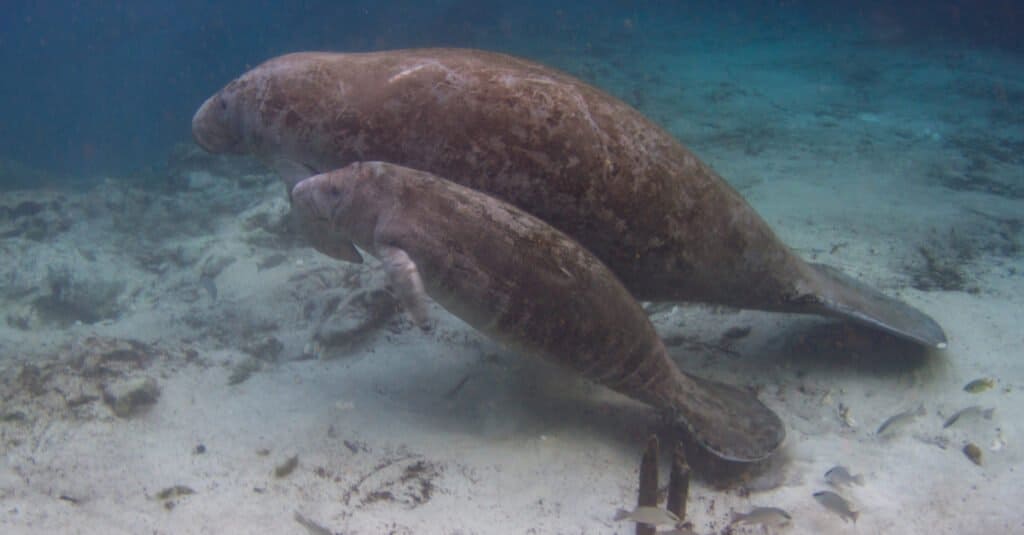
[727, 421]
[843, 296]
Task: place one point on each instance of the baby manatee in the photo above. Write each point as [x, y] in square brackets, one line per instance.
[527, 285]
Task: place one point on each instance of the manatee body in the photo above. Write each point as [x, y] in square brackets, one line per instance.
[583, 161]
[527, 285]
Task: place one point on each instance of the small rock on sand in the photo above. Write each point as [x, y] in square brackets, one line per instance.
[127, 397]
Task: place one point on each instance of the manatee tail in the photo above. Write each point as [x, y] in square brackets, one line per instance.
[729, 422]
[840, 295]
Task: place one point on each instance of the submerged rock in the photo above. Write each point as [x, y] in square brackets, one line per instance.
[128, 397]
[78, 295]
[346, 323]
[266, 349]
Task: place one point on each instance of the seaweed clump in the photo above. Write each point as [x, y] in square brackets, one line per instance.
[71, 298]
[944, 262]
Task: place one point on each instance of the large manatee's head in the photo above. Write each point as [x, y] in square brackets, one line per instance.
[217, 125]
[275, 112]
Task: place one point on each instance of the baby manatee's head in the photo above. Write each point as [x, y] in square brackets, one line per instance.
[327, 198]
[320, 202]
[217, 125]
[316, 198]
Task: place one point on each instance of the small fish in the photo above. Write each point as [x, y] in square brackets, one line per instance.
[839, 476]
[837, 504]
[978, 386]
[972, 410]
[772, 517]
[176, 491]
[285, 469]
[973, 452]
[900, 419]
[312, 527]
[653, 516]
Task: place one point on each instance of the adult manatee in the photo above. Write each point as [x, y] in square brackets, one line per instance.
[585, 162]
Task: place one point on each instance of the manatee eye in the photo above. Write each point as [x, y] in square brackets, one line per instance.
[223, 105]
[333, 191]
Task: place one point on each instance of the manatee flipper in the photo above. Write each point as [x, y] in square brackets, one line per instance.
[339, 250]
[728, 421]
[331, 244]
[407, 283]
[843, 296]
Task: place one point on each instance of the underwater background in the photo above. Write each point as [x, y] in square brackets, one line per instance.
[96, 87]
[176, 358]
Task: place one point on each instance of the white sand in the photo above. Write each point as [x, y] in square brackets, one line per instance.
[523, 447]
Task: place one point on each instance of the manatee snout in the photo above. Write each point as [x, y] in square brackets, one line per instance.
[215, 128]
[304, 198]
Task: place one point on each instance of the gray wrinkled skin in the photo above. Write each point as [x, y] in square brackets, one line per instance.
[531, 287]
[568, 153]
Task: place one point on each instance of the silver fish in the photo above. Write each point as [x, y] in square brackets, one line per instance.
[839, 476]
[654, 516]
[978, 386]
[900, 419]
[837, 504]
[973, 409]
[772, 517]
[312, 527]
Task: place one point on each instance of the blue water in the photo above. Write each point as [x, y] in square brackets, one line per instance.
[883, 138]
[96, 87]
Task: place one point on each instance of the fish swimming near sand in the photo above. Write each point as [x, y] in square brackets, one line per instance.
[837, 504]
[973, 410]
[839, 476]
[772, 517]
[899, 420]
[978, 386]
[973, 452]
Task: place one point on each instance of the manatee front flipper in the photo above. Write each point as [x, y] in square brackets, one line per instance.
[333, 245]
[406, 281]
[729, 422]
[843, 296]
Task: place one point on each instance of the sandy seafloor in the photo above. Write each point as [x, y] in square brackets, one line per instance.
[901, 164]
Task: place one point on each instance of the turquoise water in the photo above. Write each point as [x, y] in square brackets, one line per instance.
[99, 87]
[887, 141]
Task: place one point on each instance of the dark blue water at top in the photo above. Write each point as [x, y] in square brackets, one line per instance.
[97, 87]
